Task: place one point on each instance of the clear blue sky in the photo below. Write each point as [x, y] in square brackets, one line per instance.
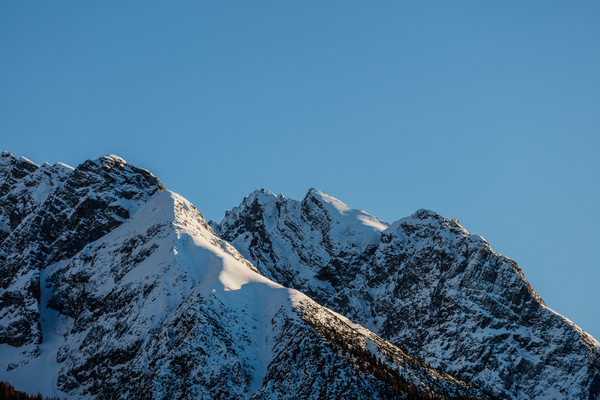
[488, 112]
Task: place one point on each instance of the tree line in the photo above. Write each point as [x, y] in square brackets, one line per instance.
[7, 392]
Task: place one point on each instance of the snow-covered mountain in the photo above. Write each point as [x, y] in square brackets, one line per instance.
[425, 284]
[112, 287]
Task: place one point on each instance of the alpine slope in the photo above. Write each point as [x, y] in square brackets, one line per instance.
[112, 287]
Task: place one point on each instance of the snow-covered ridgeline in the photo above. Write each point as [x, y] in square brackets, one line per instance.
[424, 283]
[139, 299]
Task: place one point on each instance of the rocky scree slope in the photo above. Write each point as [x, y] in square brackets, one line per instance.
[113, 287]
[425, 284]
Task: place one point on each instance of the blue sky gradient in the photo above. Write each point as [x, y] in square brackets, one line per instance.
[487, 112]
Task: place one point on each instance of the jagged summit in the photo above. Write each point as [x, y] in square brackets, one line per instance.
[336, 208]
[429, 221]
[7, 158]
[425, 214]
[279, 233]
[13, 167]
[429, 286]
[260, 195]
[109, 161]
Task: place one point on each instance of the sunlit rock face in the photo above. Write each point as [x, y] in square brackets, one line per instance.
[112, 287]
[425, 284]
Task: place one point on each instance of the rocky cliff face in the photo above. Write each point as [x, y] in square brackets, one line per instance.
[112, 287]
[425, 284]
[49, 213]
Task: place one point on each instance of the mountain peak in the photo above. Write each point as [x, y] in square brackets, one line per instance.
[261, 193]
[123, 175]
[7, 157]
[424, 213]
[344, 215]
[11, 158]
[110, 161]
[328, 200]
[424, 218]
[12, 167]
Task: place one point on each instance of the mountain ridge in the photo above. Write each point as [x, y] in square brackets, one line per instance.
[115, 282]
[426, 284]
